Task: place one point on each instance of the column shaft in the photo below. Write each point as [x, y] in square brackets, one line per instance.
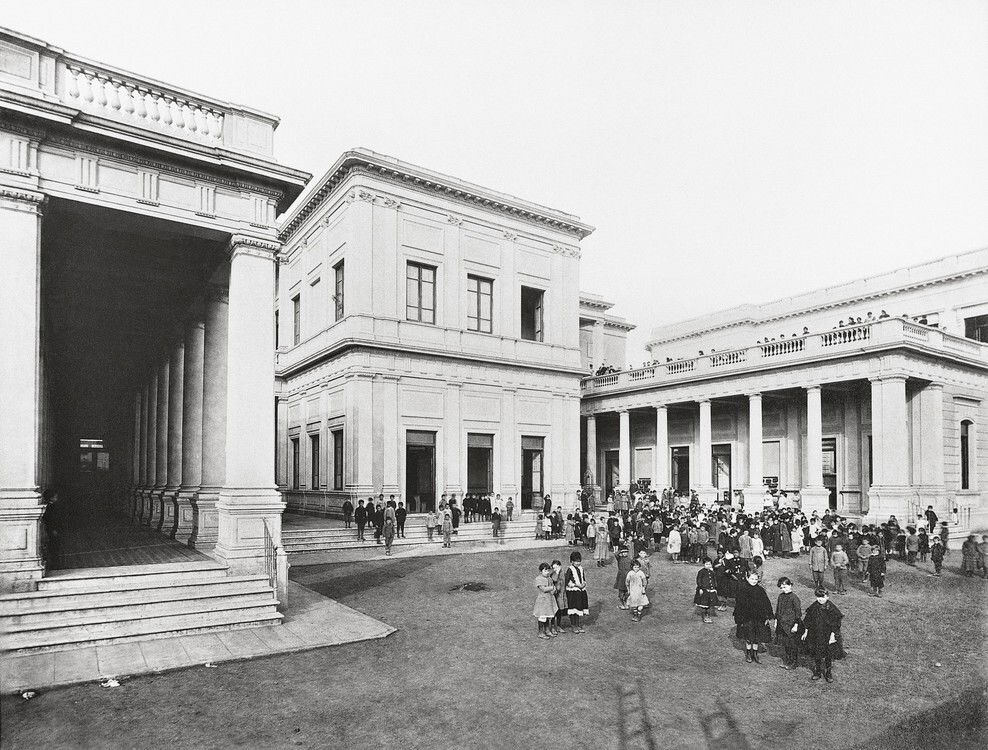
[161, 447]
[191, 474]
[590, 473]
[755, 463]
[814, 495]
[661, 457]
[706, 490]
[176, 405]
[624, 449]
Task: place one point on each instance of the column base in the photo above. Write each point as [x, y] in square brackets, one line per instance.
[249, 529]
[185, 514]
[157, 508]
[169, 519]
[205, 524]
[146, 506]
[754, 498]
[708, 495]
[899, 501]
[814, 499]
[21, 563]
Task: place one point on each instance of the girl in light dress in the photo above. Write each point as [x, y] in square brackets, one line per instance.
[600, 552]
[545, 601]
[636, 582]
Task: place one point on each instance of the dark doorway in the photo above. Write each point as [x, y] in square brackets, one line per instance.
[532, 472]
[420, 471]
[612, 471]
[681, 470]
[830, 470]
[720, 463]
[480, 464]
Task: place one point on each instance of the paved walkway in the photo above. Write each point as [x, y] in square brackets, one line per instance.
[398, 550]
[311, 621]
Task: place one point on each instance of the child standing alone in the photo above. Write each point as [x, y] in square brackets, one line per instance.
[636, 582]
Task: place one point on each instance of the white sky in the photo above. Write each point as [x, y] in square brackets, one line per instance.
[727, 152]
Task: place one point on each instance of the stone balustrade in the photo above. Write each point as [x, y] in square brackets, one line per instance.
[873, 335]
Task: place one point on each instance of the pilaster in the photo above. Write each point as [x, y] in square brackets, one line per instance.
[661, 457]
[624, 449]
[706, 489]
[815, 496]
[890, 492]
[161, 448]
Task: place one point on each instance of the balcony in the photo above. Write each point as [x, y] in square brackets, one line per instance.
[877, 335]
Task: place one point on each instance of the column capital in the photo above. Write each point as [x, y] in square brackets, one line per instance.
[935, 385]
[22, 199]
[887, 378]
[662, 407]
[702, 401]
[217, 293]
[754, 395]
[815, 387]
[257, 247]
[623, 410]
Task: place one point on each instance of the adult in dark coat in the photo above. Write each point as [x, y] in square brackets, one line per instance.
[347, 513]
[547, 506]
[752, 611]
[728, 571]
[822, 636]
[781, 538]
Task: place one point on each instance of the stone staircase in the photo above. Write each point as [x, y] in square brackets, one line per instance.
[334, 537]
[97, 606]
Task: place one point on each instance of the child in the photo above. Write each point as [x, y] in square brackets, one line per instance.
[924, 544]
[447, 529]
[674, 544]
[818, 562]
[601, 549]
[545, 601]
[621, 581]
[864, 552]
[822, 634]
[876, 572]
[937, 552]
[706, 590]
[576, 592]
[558, 580]
[839, 561]
[430, 523]
[646, 565]
[756, 568]
[636, 583]
[547, 527]
[788, 617]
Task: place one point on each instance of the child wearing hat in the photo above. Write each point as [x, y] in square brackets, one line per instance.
[576, 592]
[822, 636]
[706, 590]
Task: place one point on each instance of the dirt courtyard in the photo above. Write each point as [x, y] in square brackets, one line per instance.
[466, 670]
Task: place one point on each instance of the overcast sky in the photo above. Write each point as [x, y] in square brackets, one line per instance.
[727, 152]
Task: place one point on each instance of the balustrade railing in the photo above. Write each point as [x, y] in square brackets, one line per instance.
[110, 95]
[645, 373]
[728, 358]
[685, 365]
[846, 336]
[786, 346]
[602, 380]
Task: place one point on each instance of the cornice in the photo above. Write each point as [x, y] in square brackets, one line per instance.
[253, 246]
[356, 162]
[21, 195]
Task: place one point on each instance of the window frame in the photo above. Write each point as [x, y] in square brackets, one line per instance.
[967, 454]
[538, 324]
[339, 288]
[337, 437]
[475, 319]
[315, 477]
[296, 319]
[417, 313]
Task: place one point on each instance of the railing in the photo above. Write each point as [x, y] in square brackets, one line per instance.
[270, 558]
[110, 95]
[786, 346]
[846, 336]
[871, 335]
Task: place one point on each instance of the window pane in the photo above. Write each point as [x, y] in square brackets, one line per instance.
[428, 296]
[412, 293]
[412, 271]
[428, 274]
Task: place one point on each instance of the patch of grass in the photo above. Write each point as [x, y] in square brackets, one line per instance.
[466, 670]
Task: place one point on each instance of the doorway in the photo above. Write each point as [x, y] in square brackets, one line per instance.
[420, 471]
[681, 470]
[480, 464]
[830, 470]
[721, 466]
[612, 471]
[532, 472]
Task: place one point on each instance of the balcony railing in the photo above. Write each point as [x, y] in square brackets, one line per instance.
[879, 333]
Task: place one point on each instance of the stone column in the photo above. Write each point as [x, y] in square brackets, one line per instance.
[137, 457]
[661, 457]
[161, 448]
[704, 450]
[591, 455]
[191, 474]
[281, 446]
[176, 398]
[755, 487]
[214, 387]
[152, 445]
[21, 563]
[814, 495]
[890, 493]
[931, 464]
[250, 506]
[624, 449]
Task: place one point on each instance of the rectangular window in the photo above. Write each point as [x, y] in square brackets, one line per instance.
[420, 293]
[337, 436]
[315, 458]
[532, 304]
[276, 329]
[976, 328]
[296, 319]
[295, 476]
[480, 295]
[965, 455]
[338, 297]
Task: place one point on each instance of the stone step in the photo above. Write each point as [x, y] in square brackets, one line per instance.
[130, 576]
[192, 619]
[347, 535]
[50, 603]
[322, 545]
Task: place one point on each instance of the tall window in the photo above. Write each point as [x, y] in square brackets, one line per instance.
[295, 476]
[338, 297]
[420, 293]
[296, 319]
[480, 294]
[276, 329]
[314, 455]
[337, 436]
[966, 454]
[532, 304]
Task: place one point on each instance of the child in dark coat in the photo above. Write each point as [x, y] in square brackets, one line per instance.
[822, 636]
[788, 620]
[876, 572]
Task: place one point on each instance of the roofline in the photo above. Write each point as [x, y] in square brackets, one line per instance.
[395, 170]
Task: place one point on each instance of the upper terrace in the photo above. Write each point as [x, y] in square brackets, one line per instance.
[876, 336]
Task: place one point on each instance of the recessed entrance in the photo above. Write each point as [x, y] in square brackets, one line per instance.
[612, 471]
[480, 464]
[721, 468]
[532, 472]
[830, 470]
[681, 469]
[420, 471]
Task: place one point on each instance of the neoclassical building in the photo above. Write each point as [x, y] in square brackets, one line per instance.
[428, 341]
[870, 398]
